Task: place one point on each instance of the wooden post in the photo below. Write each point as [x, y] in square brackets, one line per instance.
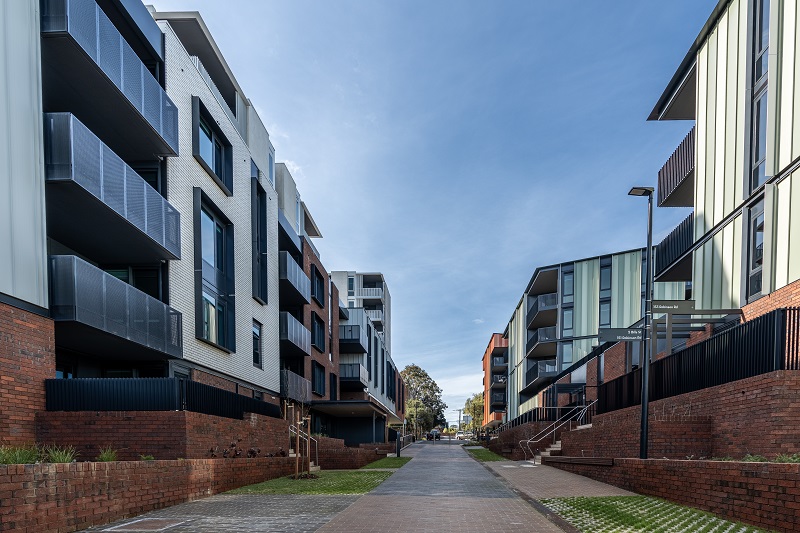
[297, 448]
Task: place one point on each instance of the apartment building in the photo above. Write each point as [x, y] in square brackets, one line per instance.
[737, 166]
[369, 291]
[495, 381]
[556, 322]
[373, 393]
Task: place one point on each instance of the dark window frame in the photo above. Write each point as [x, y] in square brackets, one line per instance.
[755, 260]
[258, 346]
[202, 117]
[318, 332]
[317, 286]
[260, 243]
[218, 283]
[317, 378]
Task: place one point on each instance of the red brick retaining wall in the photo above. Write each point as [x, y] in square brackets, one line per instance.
[27, 358]
[60, 498]
[509, 440]
[162, 434]
[763, 494]
[757, 415]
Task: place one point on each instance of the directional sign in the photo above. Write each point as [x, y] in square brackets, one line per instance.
[620, 335]
[673, 307]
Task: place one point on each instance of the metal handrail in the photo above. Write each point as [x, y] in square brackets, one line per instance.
[555, 426]
[306, 437]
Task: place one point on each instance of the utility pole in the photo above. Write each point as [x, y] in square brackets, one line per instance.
[459, 420]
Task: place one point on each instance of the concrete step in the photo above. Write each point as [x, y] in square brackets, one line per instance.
[315, 468]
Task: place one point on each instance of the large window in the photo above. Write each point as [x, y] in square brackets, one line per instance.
[257, 361]
[317, 378]
[605, 292]
[351, 286]
[758, 142]
[567, 287]
[317, 286]
[566, 355]
[214, 281]
[317, 332]
[566, 322]
[259, 223]
[210, 147]
[756, 250]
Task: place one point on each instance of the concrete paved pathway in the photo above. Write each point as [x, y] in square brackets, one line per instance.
[443, 488]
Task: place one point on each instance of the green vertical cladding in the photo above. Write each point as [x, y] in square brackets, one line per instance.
[717, 269]
[786, 243]
[582, 347]
[672, 290]
[517, 338]
[783, 103]
[721, 111]
[626, 295]
[587, 297]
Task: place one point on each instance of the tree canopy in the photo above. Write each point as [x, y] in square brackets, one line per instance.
[474, 407]
[424, 405]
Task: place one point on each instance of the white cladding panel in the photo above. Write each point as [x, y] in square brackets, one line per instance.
[23, 240]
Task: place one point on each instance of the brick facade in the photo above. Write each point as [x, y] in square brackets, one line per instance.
[763, 494]
[57, 498]
[27, 358]
[507, 442]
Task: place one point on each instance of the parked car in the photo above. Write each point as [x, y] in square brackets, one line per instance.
[434, 434]
[459, 435]
[469, 435]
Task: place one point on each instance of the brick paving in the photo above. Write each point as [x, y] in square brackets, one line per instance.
[443, 487]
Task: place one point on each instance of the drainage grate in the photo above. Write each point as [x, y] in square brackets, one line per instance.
[147, 524]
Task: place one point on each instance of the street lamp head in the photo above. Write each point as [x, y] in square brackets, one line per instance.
[641, 191]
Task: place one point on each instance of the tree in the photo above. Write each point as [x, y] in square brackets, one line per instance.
[474, 407]
[424, 402]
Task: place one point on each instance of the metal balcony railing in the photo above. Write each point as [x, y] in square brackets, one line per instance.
[674, 245]
[678, 168]
[83, 293]
[292, 331]
[537, 336]
[498, 398]
[376, 315]
[499, 361]
[370, 292]
[542, 302]
[86, 23]
[291, 272]
[353, 339]
[74, 154]
[541, 370]
[295, 387]
[354, 372]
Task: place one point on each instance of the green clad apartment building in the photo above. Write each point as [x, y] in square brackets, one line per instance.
[556, 322]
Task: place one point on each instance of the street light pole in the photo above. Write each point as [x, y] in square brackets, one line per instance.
[648, 315]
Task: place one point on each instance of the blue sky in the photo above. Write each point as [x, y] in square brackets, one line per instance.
[457, 145]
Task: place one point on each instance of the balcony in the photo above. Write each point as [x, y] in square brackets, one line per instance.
[295, 338]
[672, 261]
[498, 382]
[372, 293]
[544, 281]
[676, 177]
[494, 420]
[353, 377]
[376, 315]
[295, 387]
[498, 398]
[353, 339]
[542, 342]
[97, 205]
[295, 287]
[97, 314]
[90, 70]
[499, 363]
[543, 311]
[539, 374]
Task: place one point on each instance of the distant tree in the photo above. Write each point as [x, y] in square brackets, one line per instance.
[424, 400]
[474, 407]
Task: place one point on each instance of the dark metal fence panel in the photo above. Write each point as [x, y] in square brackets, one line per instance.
[759, 346]
[150, 394]
[121, 394]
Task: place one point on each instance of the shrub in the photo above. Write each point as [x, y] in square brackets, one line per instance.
[56, 454]
[19, 455]
[147, 457]
[754, 458]
[786, 458]
[107, 455]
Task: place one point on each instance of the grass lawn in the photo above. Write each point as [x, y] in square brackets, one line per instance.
[387, 462]
[635, 514]
[482, 454]
[328, 482]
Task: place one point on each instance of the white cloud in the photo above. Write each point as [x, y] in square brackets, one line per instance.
[478, 321]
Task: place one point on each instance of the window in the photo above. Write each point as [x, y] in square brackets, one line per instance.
[383, 368]
[317, 286]
[214, 282]
[317, 379]
[758, 142]
[272, 169]
[351, 303]
[317, 332]
[605, 314]
[333, 392]
[605, 292]
[258, 395]
[601, 368]
[257, 362]
[568, 287]
[566, 323]
[210, 147]
[259, 223]
[351, 286]
[566, 355]
[756, 250]
[370, 351]
[605, 281]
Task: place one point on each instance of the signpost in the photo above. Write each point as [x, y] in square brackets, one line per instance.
[620, 335]
[673, 307]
